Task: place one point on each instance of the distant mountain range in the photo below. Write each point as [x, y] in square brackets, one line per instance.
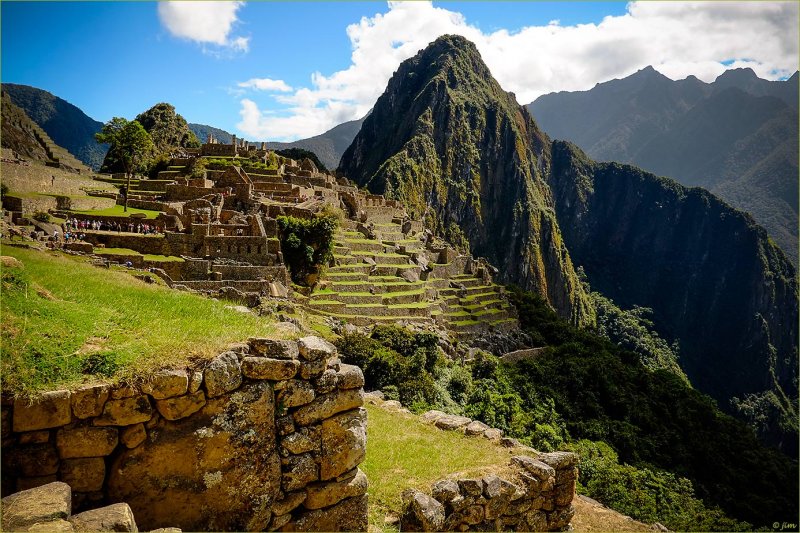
[328, 146]
[736, 137]
[66, 124]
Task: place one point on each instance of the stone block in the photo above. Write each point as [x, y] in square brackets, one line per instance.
[284, 425]
[452, 422]
[116, 517]
[314, 348]
[51, 527]
[195, 381]
[326, 382]
[296, 392]
[470, 487]
[559, 460]
[35, 460]
[123, 391]
[312, 369]
[300, 470]
[349, 377]
[476, 427]
[445, 491]
[344, 443]
[84, 475]
[272, 369]
[182, 406]
[133, 436]
[496, 507]
[330, 493]
[42, 504]
[349, 514]
[125, 411]
[278, 521]
[491, 486]
[493, 434]
[289, 503]
[304, 440]
[536, 521]
[34, 437]
[86, 442]
[431, 416]
[277, 349]
[223, 374]
[536, 468]
[327, 405]
[560, 518]
[51, 409]
[420, 512]
[89, 401]
[565, 493]
[167, 383]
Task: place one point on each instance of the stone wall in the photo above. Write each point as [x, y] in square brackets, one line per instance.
[537, 496]
[267, 435]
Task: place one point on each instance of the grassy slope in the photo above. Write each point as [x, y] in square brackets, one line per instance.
[118, 211]
[64, 322]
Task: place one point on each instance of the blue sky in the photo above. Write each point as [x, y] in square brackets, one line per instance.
[321, 63]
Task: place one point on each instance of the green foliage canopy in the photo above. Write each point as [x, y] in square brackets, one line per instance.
[131, 145]
[307, 244]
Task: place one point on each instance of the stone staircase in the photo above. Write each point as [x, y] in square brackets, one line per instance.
[377, 281]
[59, 157]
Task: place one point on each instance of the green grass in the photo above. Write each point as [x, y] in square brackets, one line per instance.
[403, 452]
[117, 211]
[65, 321]
[116, 251]
[163, 258]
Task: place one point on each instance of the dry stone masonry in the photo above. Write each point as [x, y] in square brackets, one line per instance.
[538, 497]
[266, 436]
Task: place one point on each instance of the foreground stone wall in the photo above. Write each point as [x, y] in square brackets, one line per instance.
[538, 497]
[265, 436]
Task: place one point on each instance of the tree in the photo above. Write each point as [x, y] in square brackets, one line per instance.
[130, 143]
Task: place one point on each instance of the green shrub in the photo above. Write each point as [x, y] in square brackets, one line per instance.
[41, 216]
[307, 244]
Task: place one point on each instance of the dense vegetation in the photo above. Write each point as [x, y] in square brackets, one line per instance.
[249, 165]
[307, 244]
[655, 448]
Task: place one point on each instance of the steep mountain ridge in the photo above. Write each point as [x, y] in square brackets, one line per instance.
[65, 123]
[466, 158]
[736, 137]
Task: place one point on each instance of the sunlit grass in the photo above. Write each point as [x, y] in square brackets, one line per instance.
[64, 321]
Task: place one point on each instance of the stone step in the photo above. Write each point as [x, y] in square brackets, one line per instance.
[341, 250]
[346, 260]
[393, 269]
[469, 282]
[472, 306]
[357, 267]
[349, 297]
[384, 258]
[406, 297]
[362, 245]
[349, 277]
[490, 315]
[358, 320]
[379, 287]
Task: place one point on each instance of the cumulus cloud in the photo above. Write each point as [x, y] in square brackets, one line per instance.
[265, 84]
[677, 38]
[207, 23]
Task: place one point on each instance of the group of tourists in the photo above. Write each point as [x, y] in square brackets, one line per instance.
[105, 225]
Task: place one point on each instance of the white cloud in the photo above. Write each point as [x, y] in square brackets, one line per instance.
[265, 84]
[678, 38]
[207, 23]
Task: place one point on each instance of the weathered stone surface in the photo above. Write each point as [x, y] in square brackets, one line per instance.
[50, 410]
[195, 381]
[491, 486]
[277, 349]
[223, 374]
[519, 506]
[326, 382]
[182, 406]
[329, 493]
[493, 434]
[51, 527]
[167, 383]
[349, 377]
[476, 427]
[470, 487]
[420, 512]
[392, 405]
[496, 506]
[123, 391]
[451, 422]
[117, 517]
[185, 472]
[284, 424]
[34, 437]
[296, 392]
[42, 504]
[125, 412]
[344, 443]
[266, 368]
[278, 521]
[312, 369]
[299, 471]
[83, 475]
[445, 490]
[347, 515]
[34, 460]
[559, 460]
[565, 493]
[134, 435]
[536, 520]
[509, 442]
[289, 503]
[314, 348]
[304, 440]
[89, 401]
[86, 442]
[537, 468]
[431, 416]
[328, 405]
[560, 518]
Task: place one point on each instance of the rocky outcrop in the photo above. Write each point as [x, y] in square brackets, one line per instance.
[266, 436]
[712, 276]
[469, 161]
[537, 498]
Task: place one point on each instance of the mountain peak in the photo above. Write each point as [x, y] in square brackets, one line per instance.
[738, 75]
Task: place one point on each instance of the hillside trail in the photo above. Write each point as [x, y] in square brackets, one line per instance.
[591, 515]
